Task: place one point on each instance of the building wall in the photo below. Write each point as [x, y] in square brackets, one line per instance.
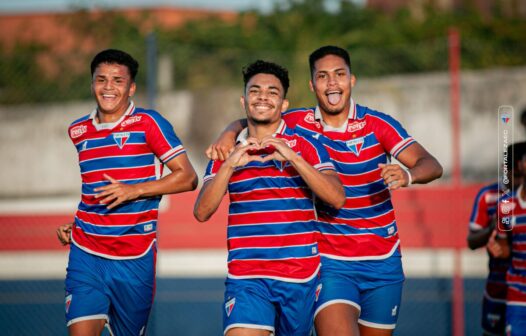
[39, 160]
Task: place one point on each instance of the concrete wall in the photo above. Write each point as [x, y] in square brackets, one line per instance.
[37, 158]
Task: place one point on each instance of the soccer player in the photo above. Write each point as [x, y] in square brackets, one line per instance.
[482, 233]
[361, 271]
[512, 231]
[272, 176]
[122, 150]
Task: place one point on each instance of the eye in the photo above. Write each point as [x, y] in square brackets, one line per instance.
[321, 75]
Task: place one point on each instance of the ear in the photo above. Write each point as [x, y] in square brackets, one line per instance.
[353, 80]
[285, 105]
[242, 101]
[311, 86]
[133, 87]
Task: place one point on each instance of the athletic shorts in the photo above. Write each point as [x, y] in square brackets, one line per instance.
[493, 316]
[284, 308]
[118, 291]
[374, 287]
[515, 320]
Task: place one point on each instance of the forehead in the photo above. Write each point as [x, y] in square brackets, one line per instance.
[111, 69]
[265, 80]
[330, 63]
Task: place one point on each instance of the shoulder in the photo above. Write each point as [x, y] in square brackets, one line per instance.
[78, 127]
[373, 115]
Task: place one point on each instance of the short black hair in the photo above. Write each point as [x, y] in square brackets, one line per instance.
[518, 150]
[328, 50]
[270, 68]
[114, 56]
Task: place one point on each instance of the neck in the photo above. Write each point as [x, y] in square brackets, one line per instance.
[105, 118]
[522, 194]
[260, 131]
[338, 119]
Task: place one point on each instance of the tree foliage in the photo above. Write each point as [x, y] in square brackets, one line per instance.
[211, 52]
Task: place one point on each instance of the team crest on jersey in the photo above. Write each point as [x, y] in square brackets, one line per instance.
[318, 291]
[121, 138]
[68, 302]
[355, 145]
[355, 126]
[77, 131]
[229, 306]
[131, 120]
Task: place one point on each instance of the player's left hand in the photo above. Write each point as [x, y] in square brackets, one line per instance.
[116, 192]
[394, 176]
[282, 153]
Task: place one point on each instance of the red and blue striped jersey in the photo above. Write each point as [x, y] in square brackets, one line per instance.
[483, 213]
[365, 228]
[512, 210]
[272, 220]
[131, 150]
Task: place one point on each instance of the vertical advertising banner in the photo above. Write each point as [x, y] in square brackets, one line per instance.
[505, 167]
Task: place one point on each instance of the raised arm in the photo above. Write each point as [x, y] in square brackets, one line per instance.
[213, 190]
[226, 141]
[422, 167]
[182, 178]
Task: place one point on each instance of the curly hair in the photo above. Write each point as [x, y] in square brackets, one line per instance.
[270, 68]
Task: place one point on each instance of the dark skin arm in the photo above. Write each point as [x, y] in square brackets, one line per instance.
[423, 168]
[224, 144]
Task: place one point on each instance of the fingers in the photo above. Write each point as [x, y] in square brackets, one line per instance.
[394, 176]
[64, 233]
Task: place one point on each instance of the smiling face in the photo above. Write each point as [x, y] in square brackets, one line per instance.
[112, 88]
[264, 99]
[332, 83]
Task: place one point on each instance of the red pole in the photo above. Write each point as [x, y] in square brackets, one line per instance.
[454, 92]
[454, 72]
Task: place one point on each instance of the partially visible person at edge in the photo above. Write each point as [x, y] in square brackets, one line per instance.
[122, 149]
[361, 271]
[272, 177]
[483, 233]
[511, 227]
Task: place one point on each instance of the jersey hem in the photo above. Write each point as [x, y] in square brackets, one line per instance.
[363, 258]
[109, 256]
[259, 276]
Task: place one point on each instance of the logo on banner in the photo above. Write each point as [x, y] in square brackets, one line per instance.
[121, 138]
[229, 306]
[505, 117]
[355, 145]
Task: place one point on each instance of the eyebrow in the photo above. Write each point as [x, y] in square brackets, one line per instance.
[259, 87]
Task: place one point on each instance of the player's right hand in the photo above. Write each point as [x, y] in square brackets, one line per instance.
[240, 156]
[222, 147]
[64, 233]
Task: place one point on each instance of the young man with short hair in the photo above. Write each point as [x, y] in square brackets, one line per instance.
[273, 177]
[122, 150]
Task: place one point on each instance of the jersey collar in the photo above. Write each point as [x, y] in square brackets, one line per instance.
[243, 136]
[343, 127]
[104, 126]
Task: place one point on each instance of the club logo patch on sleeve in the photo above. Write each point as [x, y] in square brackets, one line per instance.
[121, 138]
[229, 306]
